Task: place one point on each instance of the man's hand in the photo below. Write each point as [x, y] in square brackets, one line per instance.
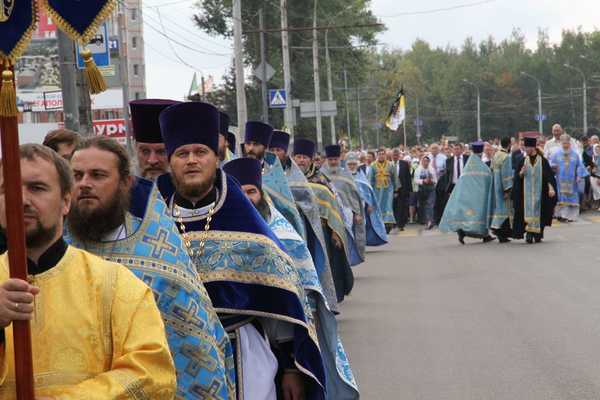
[369, 210]
[551, 192]
[337, 241]
[292, 386]
[523, 169]
[358, 219]
[16, 301]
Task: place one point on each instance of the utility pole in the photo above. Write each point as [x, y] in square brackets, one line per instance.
[329, 87]
[123, 49]
[203, 88]
[360, 133]
[288, 116]
[77, 105]
[377, 122]
[240, 89]
[468, 82]
[418, 124]
[317, 80]
[347, 105]
[263, 69]
[539, 94]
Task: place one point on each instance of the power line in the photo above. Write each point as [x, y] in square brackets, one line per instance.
[438, 10]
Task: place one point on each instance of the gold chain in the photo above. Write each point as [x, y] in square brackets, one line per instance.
[186, 237]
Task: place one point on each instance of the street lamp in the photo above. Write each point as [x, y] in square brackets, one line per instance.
[468, 82]
[539, 84]
[585, 119]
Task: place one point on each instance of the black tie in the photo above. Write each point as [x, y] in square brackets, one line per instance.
[459, 168]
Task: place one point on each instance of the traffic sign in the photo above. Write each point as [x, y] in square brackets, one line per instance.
[277, 98]
[99, 46]
[537, 117]
[269, 71]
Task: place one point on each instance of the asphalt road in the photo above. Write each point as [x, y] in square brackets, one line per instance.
[431, 319]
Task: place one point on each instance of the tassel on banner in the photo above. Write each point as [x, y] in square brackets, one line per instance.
[92, 73]
[8, 95]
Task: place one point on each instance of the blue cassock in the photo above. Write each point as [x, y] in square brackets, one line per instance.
[340, 379]
[503, 182]
[376, 234]
[469, 206]
[569, 168]
[154, 251]
[246, 271]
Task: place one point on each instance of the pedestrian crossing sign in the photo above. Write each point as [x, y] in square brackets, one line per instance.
[277, 98]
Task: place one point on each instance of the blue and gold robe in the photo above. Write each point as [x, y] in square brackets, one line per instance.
[246, 271]
[469, 206]
[383, 181]
[154, 251]
[569, 168]
[375, 228]
[341, 383]
[502, 184]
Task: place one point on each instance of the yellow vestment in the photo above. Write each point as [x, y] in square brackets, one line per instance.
[96, 334]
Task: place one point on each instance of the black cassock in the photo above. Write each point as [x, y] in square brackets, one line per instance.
[547, 206]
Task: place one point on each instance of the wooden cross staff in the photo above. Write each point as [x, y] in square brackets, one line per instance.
[15, 232]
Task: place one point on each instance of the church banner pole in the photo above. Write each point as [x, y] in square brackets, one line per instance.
[15, 231]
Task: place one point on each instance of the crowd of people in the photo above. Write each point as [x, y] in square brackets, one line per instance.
[415, 183]
[189, 271]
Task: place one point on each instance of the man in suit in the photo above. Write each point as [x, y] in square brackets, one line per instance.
[518, 153]
[445, 185]
[402, 194]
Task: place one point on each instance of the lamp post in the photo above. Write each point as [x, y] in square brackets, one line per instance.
[585, 120]
[539, 85]
[468, 82]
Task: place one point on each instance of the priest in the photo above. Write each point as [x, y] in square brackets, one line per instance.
[251, 281]
[225, 152]
[339, 377]
[336, 238]
[469, 207]
[502, 185]
[96, 331]
[121, 219]
[150, 149]
[534, 193]
[382, 178]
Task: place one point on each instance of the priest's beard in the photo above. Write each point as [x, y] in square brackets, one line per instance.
[197, 191]
[93, 225]
[256, 154]
[39, 235]
[263, 209]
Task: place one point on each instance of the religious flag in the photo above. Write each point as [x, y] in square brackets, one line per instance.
[397, 112]
[194, 89]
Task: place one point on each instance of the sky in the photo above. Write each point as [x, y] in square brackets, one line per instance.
[171, 62]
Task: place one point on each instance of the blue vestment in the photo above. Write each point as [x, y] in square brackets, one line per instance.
[469, 206]
[246, 271]
[154, 251]
[569, 168]
[375, 228]
[340, 379]
[383, 181]
[502, 184]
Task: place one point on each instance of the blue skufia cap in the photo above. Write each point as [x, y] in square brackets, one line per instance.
[305, 147]
[477, 147]
[144, 119]
[231, 141]
[280, 140]
[223, 123]
[258, 132]
[247, 171]
[333, 150]
[190, 123]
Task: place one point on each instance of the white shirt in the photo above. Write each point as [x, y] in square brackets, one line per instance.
[459, 165]
[438, 162]
[554, 144]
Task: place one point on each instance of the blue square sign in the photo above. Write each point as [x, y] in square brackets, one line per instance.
[99, 46]
[277, 98]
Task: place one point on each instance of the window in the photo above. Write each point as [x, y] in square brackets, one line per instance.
[134, 42]
[136, 69]
[134, 14]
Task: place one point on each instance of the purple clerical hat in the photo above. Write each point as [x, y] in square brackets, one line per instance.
[333, 150]
[258, 132]
[280, 140]
[190, 123]
[223, 123]
[247, 171]
[477, 147]
[305, 147]
[144, 119]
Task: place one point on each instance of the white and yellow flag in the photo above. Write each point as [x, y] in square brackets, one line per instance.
[397, 112]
